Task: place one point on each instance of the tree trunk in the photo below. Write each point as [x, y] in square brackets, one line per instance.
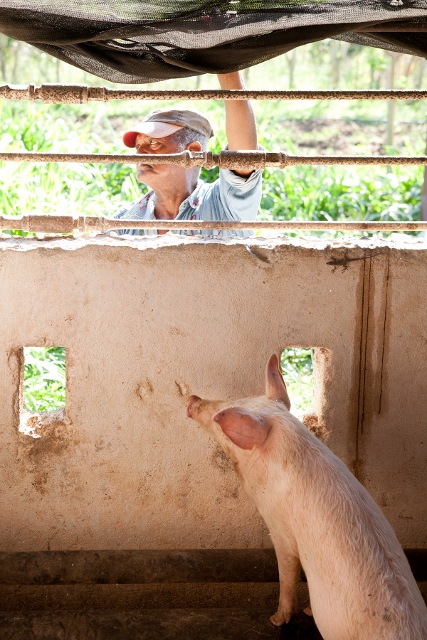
[58, 70]
[3, 50]
[15, 71]
[423, 214]
[391, 104]
[335, 60]
[408, 70]
[291, 59]
[421, 69]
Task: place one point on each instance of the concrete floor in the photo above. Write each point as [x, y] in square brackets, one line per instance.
[210, 594]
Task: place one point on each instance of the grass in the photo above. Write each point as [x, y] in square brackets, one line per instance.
[333, 193]
[44, 188]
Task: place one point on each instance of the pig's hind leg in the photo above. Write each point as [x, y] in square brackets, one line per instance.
[289, 574]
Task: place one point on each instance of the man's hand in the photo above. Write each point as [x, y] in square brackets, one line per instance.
[240, 124]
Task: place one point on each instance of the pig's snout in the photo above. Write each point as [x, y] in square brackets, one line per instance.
[191, 405]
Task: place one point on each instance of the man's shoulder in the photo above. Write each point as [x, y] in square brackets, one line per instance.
[134, 209]
[226, 176]
[233, 177]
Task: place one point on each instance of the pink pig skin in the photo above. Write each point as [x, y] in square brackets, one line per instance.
[320, 517]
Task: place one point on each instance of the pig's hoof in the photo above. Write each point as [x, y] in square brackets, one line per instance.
[308, 611]
[279, 618]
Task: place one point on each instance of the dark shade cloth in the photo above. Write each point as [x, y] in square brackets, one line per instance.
[137, 41]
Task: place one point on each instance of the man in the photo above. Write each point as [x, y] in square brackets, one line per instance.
[176, 192]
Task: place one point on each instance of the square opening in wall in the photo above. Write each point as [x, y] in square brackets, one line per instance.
[297, 370]
[44, 379]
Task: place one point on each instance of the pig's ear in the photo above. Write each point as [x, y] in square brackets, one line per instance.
[275, 388]
[245, 429]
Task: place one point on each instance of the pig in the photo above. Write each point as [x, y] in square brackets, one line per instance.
[320, 518]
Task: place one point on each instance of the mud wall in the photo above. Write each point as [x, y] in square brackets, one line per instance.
[146, 323]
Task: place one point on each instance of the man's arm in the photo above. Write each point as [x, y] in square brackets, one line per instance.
[240, 124]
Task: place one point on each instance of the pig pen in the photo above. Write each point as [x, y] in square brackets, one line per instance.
[123, 519]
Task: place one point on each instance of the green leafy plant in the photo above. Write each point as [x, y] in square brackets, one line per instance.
[44, 379]
[297, 370]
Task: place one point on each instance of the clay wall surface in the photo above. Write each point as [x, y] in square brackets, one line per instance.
[148, 322]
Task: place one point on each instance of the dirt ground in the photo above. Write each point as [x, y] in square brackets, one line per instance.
[351, 137]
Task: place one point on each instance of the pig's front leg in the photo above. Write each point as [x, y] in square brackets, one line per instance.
[289, 574]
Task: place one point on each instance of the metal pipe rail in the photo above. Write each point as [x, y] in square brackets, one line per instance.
[81, 94]
[207, 159]
[87, 224]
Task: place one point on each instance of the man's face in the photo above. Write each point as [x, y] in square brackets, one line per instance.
[151, 174]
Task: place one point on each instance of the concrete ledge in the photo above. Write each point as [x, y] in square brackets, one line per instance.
[139, 567]
[178, 624]
[127, 580]
[230, 595]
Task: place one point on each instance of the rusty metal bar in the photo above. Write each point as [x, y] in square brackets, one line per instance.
[81, 94]
[207, 159]
[86, 224]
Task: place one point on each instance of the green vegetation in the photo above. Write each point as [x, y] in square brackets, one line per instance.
[44, 378]
[297, 370]
[313, 127]
[301, 192]
[330, 193]
[54, 188]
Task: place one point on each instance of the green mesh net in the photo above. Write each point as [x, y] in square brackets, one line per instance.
[136, 41]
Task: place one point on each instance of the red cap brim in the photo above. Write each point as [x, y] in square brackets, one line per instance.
[129, 138]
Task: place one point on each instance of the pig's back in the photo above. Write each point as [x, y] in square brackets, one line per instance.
[361, 586]
[360, 597]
